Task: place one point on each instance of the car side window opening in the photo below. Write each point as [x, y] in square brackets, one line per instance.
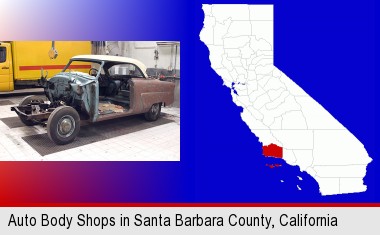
[125, 69]
[3, 54]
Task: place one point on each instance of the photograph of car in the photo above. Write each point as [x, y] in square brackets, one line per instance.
[90, 100]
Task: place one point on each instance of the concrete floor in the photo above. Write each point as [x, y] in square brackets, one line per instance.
[157, 143]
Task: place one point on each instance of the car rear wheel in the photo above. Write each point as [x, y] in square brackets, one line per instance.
[27, 100]
[154, 112]
[63, 125]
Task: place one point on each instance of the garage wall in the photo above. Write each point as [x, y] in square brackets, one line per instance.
[144, 51]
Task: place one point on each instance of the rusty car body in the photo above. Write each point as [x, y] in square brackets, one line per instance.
[99, 95]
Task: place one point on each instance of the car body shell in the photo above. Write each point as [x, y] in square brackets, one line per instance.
[81, 90]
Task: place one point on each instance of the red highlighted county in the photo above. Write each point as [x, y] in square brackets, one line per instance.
[272, 150]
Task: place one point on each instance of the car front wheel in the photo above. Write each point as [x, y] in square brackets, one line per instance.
[63, 125]
[154, 112]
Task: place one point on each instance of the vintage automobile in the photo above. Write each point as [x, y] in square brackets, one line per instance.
[101, 94]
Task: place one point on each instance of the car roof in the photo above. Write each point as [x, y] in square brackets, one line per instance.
[114, 59]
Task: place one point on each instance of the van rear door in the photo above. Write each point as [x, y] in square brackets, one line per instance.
[6, 76]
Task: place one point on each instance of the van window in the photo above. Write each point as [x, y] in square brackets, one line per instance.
[3, 54]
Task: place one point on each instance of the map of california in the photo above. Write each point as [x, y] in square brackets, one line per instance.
[288, 122]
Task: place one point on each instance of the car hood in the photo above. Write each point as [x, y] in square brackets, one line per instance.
[73, 77]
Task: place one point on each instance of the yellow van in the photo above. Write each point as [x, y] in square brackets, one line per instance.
[21, 61]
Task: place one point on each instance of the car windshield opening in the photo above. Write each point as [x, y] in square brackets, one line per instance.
[87, 66]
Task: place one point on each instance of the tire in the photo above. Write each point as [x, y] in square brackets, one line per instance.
[154, 112]
[63, 125]
[26, 101]
[29, 98]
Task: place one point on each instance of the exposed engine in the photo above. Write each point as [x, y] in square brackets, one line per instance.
[58, 90]
[67, 88]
